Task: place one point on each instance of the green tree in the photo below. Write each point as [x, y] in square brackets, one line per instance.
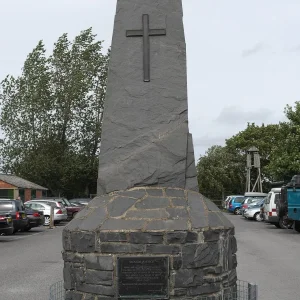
[220, 173]
[222, 170]
[264, 137]
[285, 155]
[51, 115]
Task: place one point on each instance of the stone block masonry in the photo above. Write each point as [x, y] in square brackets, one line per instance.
[148, 234]
[181, 225]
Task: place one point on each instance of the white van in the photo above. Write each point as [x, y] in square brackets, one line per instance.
[270, 214]
[255, 195]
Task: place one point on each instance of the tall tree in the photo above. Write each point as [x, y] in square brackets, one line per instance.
[51, 115]
[222, 170]
[220, 173]
[285, 155]
[264, 137]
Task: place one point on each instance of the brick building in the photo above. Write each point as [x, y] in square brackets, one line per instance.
[12, 186]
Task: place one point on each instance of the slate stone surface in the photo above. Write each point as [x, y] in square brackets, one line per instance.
[148, 202]
[191, 172]
[145, 135]
[136, 209]
[196, 237]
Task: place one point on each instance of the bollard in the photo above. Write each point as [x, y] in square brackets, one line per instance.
[51, 223]
[252, 291]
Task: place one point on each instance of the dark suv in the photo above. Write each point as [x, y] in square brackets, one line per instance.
[16, 210]
[6, 224]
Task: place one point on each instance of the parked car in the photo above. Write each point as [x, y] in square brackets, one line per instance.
[269, 208]
[80, 201]
[235, 204]
[72, 210]
[288, 204]
[248, 202]
[58, 201]
[253, 210]
[224, 204]
[60, 214]
[35, 218]
[255, 195]
[16, 210]
[6, 224]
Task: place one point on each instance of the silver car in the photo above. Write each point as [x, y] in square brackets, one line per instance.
[253, 212]
[60, 213]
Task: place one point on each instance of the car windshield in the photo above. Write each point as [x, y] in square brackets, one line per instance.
[67, 202]
[257, 202]
[239, 199]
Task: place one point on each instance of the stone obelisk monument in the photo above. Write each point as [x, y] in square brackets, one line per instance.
[148, 234]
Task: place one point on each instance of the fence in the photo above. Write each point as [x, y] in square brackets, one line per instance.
[57, 291]
[242, 291]
[219, 203]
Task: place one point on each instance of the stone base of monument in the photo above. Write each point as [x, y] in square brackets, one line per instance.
[149, 243]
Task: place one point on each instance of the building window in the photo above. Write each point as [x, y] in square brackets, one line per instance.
[6, 194]
[33, 194]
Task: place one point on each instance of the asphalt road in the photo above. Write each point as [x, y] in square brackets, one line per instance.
[31, 262]
[269, 257]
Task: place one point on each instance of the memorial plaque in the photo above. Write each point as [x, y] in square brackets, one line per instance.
[143, 277]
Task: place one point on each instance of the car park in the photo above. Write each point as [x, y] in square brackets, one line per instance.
[60, 214]
[16, 210]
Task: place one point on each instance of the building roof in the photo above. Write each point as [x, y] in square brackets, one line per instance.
[20, 182]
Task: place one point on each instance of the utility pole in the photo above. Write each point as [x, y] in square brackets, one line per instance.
[253, 162]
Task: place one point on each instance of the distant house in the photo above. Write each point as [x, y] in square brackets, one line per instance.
[12, 186]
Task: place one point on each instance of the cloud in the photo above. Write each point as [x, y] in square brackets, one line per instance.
[209, 140]
[236, 115]
[295, 49]
[255, 49]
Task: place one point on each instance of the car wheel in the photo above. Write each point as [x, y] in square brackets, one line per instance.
[47, 221]
[27, 228]
[237, 211]
[12, 230]
[257, 217]
[277, 225]
[284, 223]
[15, 230]
[297, 226]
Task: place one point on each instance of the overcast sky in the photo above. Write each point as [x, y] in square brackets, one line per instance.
[243, 56]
